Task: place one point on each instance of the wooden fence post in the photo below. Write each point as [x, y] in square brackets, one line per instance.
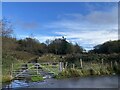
[81, 64]
[102, 61]
[73, 66]
[60, 66]
[116, 64]
[111, 64]
[66, 65]
[12, 71]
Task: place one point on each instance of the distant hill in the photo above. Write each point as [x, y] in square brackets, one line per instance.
[108, 47]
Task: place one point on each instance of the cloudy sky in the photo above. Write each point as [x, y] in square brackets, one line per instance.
[87, 24]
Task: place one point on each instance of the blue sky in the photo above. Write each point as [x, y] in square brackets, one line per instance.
[87, 24]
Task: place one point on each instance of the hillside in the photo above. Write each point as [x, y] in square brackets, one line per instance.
[108, 47]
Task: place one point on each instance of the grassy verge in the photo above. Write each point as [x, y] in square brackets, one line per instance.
[13, 58]
[6, 78]
[95, 70]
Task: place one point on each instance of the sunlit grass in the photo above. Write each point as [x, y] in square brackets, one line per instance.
[36, 78]
[51, 68]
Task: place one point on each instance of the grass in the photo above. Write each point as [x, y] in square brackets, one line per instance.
[51, 68]
[6, 78]
[36, 78]
[68, 73]
[49, 58]
[88, 68]
[92, 69]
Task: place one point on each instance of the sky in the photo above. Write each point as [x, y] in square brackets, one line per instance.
[85, 23]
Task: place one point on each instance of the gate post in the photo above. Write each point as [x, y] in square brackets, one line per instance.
[11, 71]
[37, 69]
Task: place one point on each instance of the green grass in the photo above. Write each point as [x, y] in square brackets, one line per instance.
[36, 78]
[49, 58]
[51, 68]
[88, 70]
[68, 73]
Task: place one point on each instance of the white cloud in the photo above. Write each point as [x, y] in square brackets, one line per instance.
[90, 37]
[97, 17]
[43, 38]
[94, 28]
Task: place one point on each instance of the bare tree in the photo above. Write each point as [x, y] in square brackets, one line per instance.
[6, 28]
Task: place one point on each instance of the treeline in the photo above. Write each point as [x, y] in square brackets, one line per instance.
[58, 46]
[108, 47]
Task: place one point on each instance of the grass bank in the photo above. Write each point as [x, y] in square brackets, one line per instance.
[93, 70]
